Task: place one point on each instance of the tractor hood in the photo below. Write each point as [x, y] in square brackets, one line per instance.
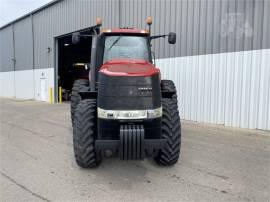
[128, 67]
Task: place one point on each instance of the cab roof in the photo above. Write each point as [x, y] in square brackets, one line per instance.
[126, 31]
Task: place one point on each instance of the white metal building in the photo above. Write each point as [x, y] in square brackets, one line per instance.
[220, 63]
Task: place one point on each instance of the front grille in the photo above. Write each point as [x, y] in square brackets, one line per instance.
[129, 93]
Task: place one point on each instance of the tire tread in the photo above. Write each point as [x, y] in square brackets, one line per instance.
[171, 128]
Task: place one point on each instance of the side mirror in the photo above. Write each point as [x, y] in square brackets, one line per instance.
[172, 38]
[75, 37]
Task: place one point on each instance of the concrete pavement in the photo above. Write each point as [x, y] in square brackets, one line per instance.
[37, 164]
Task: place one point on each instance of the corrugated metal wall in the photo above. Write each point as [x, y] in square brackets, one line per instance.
[6, 49]
[23, 44]
[226, 88]
[202, 26]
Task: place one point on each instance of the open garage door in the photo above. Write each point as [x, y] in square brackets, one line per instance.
[73, 62]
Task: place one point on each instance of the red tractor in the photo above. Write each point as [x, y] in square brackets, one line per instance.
[124, 109]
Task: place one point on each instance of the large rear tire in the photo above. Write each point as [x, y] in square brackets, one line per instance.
[84, 134]
[79, 85]
[171, 131]
[168, 85]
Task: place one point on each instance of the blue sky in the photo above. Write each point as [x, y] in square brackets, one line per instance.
[12, 9]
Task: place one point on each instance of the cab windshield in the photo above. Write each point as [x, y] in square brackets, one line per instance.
[126, 47]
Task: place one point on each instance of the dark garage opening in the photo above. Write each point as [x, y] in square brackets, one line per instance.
[73, 62]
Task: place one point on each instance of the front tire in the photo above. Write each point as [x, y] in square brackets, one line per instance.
[84, 134]
[171, 131]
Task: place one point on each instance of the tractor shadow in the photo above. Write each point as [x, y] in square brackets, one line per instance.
[123, 175]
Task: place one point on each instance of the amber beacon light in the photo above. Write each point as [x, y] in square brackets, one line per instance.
[99, 21]
[149, 20]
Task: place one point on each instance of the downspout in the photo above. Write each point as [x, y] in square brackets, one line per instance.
[33, 55]
[13, 59]
[119, 14]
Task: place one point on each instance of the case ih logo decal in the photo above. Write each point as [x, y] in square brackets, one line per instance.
[145, 88]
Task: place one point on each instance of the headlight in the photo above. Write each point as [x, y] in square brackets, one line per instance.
[129, 114]
[154, 113]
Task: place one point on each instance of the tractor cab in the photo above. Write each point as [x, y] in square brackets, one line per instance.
[126, 52]
[122, 44]
[125, 47]
[126, 43]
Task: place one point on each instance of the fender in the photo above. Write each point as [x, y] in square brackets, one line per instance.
[88, 95]
[167, 94]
